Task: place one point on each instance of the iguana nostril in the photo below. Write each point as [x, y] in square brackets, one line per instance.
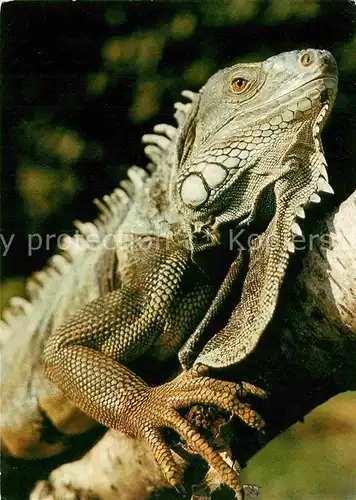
[307, 58]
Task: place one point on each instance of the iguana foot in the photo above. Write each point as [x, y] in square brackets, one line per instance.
[159, 409]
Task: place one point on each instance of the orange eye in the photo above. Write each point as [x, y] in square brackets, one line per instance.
[239, 84]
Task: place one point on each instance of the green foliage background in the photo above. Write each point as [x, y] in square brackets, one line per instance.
[83, 81]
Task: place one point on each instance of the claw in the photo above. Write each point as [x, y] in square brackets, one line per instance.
[181, 490]
[253, 390]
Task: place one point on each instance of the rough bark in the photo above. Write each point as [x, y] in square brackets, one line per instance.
[307, 356]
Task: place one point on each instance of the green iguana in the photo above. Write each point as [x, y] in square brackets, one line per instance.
[168, 270]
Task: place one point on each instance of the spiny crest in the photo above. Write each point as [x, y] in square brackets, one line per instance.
[159, 143]
[322, 185]
[41, 286]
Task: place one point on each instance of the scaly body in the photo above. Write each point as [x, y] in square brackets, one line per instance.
[246, 157]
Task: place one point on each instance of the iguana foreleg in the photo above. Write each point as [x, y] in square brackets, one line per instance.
[87, 358]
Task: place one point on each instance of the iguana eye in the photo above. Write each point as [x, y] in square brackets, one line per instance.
[239, 84]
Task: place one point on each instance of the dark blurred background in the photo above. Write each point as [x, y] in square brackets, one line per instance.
[81, 83]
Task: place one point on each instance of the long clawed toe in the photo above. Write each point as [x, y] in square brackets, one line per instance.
[196, 388]
[189, 389]
[163, 455]
[197, 443]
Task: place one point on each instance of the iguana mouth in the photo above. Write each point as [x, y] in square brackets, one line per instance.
[329, 92]
[327, 87]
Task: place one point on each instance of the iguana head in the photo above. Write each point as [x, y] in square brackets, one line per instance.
[250, 149]
[250, 125]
